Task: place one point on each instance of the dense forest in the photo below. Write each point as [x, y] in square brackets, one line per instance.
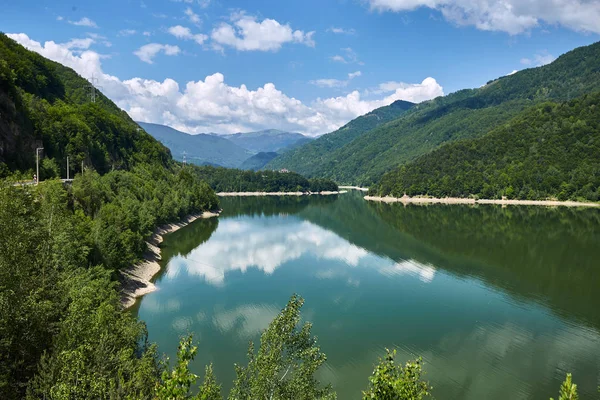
[548, 151]
[236, 180]
[465, 114]
[309, 158]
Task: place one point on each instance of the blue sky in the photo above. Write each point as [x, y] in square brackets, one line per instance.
[308, 66]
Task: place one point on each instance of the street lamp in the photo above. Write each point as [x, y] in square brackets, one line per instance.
[37, 164]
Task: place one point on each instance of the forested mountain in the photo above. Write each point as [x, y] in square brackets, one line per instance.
[309, 159]
[464, 114]
[44, 104]
[270, 140]
[548, 151]
[200, 149]
[258, 161]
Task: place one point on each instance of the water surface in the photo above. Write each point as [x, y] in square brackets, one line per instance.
[499, 302]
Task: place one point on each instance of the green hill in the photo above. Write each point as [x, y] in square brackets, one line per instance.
[44, 104]
[548, 151]
[270, 140]
[258, 161]
[311, 158]
[201, 149]
[464, 114]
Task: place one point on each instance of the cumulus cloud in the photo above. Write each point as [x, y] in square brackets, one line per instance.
[511, 16]
[127, 32]
[147, 52]
[245, 33]
[182, 32]
[85, 21]
[192, 16]
[211, 105]
[348, 56]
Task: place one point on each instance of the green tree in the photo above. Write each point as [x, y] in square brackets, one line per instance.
[285, 364]
[568, 390]
[395, 382]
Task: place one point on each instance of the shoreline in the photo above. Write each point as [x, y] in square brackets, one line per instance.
[232, 194]
[136, 280]
[456, 200]
[362, 189]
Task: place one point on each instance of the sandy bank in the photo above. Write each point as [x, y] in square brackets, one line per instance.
[355, 188]
[135, 281]
[229, 194]
[454, 200]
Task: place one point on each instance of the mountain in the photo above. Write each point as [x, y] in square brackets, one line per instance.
[201, 149]
[551, 150]
[45, 104]
[307, 159]
[258, 161]
[465, 114]
[270, 140]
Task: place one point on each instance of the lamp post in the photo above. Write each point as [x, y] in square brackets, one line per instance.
[37, 164]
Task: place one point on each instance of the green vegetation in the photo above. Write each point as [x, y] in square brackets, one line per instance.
[311, 158]
[461, 115]
[548, 151]
[235, 180]
[44, 104]
[270, 140]
[568, 390]
[258, 161]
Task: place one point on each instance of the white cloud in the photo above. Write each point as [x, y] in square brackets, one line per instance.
[147, 33]
[182, 32]
[513, 72]
[85, 21]
[540, 59]
[147, 52]
[341, 31]
[247, 34]
[127, 32]
[59, 18]
[349, 57]
[204, 3]
[193, 17]
[335, 83]
[211, 105]
[511, 16]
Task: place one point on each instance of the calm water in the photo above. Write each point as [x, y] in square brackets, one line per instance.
[500, 302]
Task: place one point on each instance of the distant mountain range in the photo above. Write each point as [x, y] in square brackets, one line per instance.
[250, 150]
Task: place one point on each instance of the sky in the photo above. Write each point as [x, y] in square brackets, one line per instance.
[307, 66]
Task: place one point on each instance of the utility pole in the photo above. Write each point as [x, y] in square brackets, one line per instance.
[67, 167]
[184, 159]
[37, 164]
[81, 167]
[92, 87]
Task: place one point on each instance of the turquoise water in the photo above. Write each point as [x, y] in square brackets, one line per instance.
[499, 302]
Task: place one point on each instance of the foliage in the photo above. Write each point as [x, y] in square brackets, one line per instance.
[461, 115]
[308, 159]
[258, 161]
[285, 364]
[568, 390]
[548, 151]
[44, 104]
[235, 180]
[176, 384]
[395, 382]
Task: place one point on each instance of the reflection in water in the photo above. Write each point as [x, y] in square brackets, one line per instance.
[500, 303]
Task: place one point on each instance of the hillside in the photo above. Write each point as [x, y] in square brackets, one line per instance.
[44, 104]
[200, 149]
[307, 159]
[270, 140]
[548, 151]
[464, 114]
[258, 161]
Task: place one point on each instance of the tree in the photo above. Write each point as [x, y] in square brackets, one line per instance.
[394, 382]
[285, 364]
[568, 390]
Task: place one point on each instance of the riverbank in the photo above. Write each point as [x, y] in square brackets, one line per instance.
[136, 280]
[230, 194]
[456, 200]
[362, 189]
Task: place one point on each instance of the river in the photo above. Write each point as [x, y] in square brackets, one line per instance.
[499, 302]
